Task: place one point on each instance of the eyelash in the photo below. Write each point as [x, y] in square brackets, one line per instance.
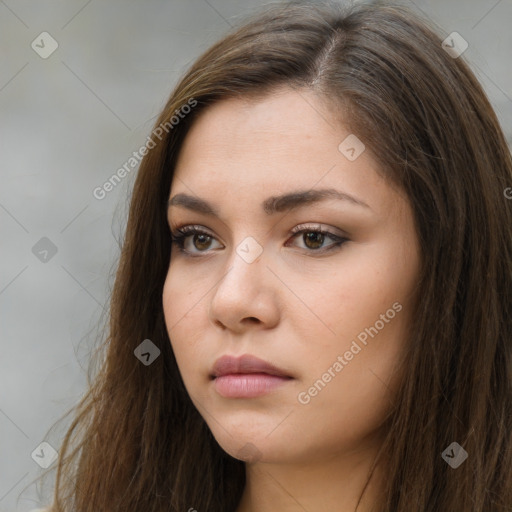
[178, 238]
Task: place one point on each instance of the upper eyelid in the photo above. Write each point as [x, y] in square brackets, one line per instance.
[190, 228]
[318, 227]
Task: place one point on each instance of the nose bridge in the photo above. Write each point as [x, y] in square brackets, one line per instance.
[246, 266]
[245, 290]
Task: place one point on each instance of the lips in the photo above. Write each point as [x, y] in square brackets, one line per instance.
[246, 377]
[246, 364]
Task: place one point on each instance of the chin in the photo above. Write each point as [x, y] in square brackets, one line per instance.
[249, 440]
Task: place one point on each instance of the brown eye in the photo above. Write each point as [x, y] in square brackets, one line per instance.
[191, 240]
[313, 239]
[203, 240]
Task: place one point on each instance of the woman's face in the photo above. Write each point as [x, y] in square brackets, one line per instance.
[264, 281]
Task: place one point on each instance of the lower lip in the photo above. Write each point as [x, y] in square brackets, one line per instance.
[247, 385]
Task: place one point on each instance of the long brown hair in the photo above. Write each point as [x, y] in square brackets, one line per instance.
[138, 443]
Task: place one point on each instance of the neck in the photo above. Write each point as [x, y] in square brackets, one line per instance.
[335, 482]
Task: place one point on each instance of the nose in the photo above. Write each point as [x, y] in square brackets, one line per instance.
[246, 296]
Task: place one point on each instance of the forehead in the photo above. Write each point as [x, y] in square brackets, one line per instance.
[249, 149]
[283, 121]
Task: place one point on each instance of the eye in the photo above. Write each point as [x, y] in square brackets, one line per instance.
[199, 239]
[313, 238]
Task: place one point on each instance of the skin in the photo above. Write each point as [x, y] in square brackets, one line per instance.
[294, 307]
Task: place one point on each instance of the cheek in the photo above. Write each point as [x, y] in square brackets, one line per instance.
[351, 383]
[184, 314]
[176, 297]
[347, 299]
[365, 311]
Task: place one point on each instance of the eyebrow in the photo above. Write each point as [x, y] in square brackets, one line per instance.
[273, 204]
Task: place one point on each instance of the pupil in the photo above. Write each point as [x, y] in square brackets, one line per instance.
[203, 237]
[316, 238]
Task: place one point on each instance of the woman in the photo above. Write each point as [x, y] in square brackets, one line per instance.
[313, 304]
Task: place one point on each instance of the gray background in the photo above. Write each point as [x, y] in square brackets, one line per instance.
[67, 123]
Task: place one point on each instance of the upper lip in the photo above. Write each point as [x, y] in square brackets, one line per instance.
[226, 365]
